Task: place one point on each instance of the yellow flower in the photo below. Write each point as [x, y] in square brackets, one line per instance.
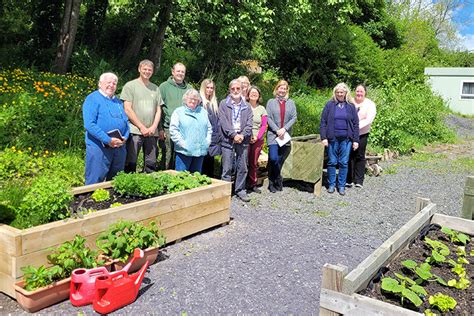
[35, 154]
[46, 152]
[65, 142]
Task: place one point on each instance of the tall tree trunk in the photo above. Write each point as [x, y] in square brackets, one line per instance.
[94, 21]
[67, 36]
[156, 49]
[143, 20]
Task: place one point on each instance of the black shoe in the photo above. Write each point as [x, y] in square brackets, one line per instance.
[271, 188]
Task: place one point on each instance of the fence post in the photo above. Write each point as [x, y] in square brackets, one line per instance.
[421, 203]
[468, 201]
[333, 278]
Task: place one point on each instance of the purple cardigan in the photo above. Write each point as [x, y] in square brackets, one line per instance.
[326, 127]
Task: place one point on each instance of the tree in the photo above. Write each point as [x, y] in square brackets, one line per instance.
[67, 35]
[156, 49]
[93, 21]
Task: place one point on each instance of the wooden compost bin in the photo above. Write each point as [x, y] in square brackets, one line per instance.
[305, 161]
[177, 214]
[338, 289]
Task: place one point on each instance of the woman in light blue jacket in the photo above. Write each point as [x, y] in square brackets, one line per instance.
[191, 131]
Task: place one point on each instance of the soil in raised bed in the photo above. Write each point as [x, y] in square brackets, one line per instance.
[419, 251]
[84, 202]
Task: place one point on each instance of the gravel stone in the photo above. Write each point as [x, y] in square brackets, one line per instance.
[268, 260]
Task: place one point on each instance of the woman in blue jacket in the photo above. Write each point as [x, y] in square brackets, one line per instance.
[339, 129]
[190, 130]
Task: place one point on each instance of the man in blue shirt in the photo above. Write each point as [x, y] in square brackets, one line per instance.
[107, 130]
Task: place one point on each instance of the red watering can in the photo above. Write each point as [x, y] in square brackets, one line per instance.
[83, 281]
[116, 290]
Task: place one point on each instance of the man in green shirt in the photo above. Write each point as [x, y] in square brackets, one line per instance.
[172, 92]
[142, 103]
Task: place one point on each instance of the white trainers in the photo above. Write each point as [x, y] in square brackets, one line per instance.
[349, 185]
[359, 186]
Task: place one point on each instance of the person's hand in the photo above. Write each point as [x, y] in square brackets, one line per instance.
[151, 130]
[115, 142]
[355, 145]
[324, 142]
[145, 132]
[162, 135]
[253, 140]
[238, 138]
[281, 132]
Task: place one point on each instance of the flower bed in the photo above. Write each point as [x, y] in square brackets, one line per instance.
[178, 214]
[339, 292]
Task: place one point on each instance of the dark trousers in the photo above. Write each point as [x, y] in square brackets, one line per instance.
[134, 144]
[208, 166]
[276, 157]
[357, 162]
[235, 158]
[254, 153]
[168, 155]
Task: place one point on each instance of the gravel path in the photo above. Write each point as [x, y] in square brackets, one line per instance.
[268, 260]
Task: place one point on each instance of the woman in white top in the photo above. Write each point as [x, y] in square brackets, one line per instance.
[366, 111]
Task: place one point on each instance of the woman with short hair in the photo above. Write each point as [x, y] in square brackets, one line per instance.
[190, 130]
[339, 129]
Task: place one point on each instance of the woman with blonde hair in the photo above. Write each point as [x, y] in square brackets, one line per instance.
[244, 80]
[281, 112]
[209, 102]
[339, 129]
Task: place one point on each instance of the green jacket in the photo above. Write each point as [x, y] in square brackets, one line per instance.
[172, 95]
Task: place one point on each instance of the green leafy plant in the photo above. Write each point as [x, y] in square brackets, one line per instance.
[121, 239]
[455, 236]
[423, 271]
[406, 289]
[65, 258]
[100, 195]
[39, 277]
[439, 251]
[72, 255]
[116, 204]
[46, 201]
[442, 302]
[137, 184]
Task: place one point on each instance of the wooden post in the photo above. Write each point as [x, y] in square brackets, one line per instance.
[333, 277]
[468, 201]
[421, 203]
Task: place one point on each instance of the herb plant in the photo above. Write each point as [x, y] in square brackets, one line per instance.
[455, 236]
[137, 184]
[406, 289]
[100, 195]
[39, 277]
[442, 302]
[121, 239]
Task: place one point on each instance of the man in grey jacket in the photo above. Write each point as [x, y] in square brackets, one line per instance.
[235, 116]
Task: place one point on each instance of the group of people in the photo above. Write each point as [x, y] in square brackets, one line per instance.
[191, 128]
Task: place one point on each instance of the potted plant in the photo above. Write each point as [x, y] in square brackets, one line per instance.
[45, 286]
[121, 238]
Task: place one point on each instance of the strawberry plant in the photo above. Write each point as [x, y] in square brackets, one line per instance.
[121, 239]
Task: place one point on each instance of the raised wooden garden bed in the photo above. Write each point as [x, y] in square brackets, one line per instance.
[305, 161]
[178, 214]
[339, 289]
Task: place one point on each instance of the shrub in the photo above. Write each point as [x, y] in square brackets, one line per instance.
[46, 201]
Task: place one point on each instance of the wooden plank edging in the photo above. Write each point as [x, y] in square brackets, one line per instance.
[460, 224]
[358, 278]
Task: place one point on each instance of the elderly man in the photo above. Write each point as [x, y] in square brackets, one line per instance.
[172, 92]
[107, 130]
[142, 102]
[236, 117]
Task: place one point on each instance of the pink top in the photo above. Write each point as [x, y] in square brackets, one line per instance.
[366, 112]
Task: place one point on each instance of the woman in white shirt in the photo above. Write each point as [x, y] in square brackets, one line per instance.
[366, 111]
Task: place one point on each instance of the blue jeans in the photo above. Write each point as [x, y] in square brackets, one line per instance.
[189, 163]
[338, 154]
[235, 160]
[103, 163]
[276, 157]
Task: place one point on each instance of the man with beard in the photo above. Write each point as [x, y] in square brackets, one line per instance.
[235, 116]
[142, 102]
